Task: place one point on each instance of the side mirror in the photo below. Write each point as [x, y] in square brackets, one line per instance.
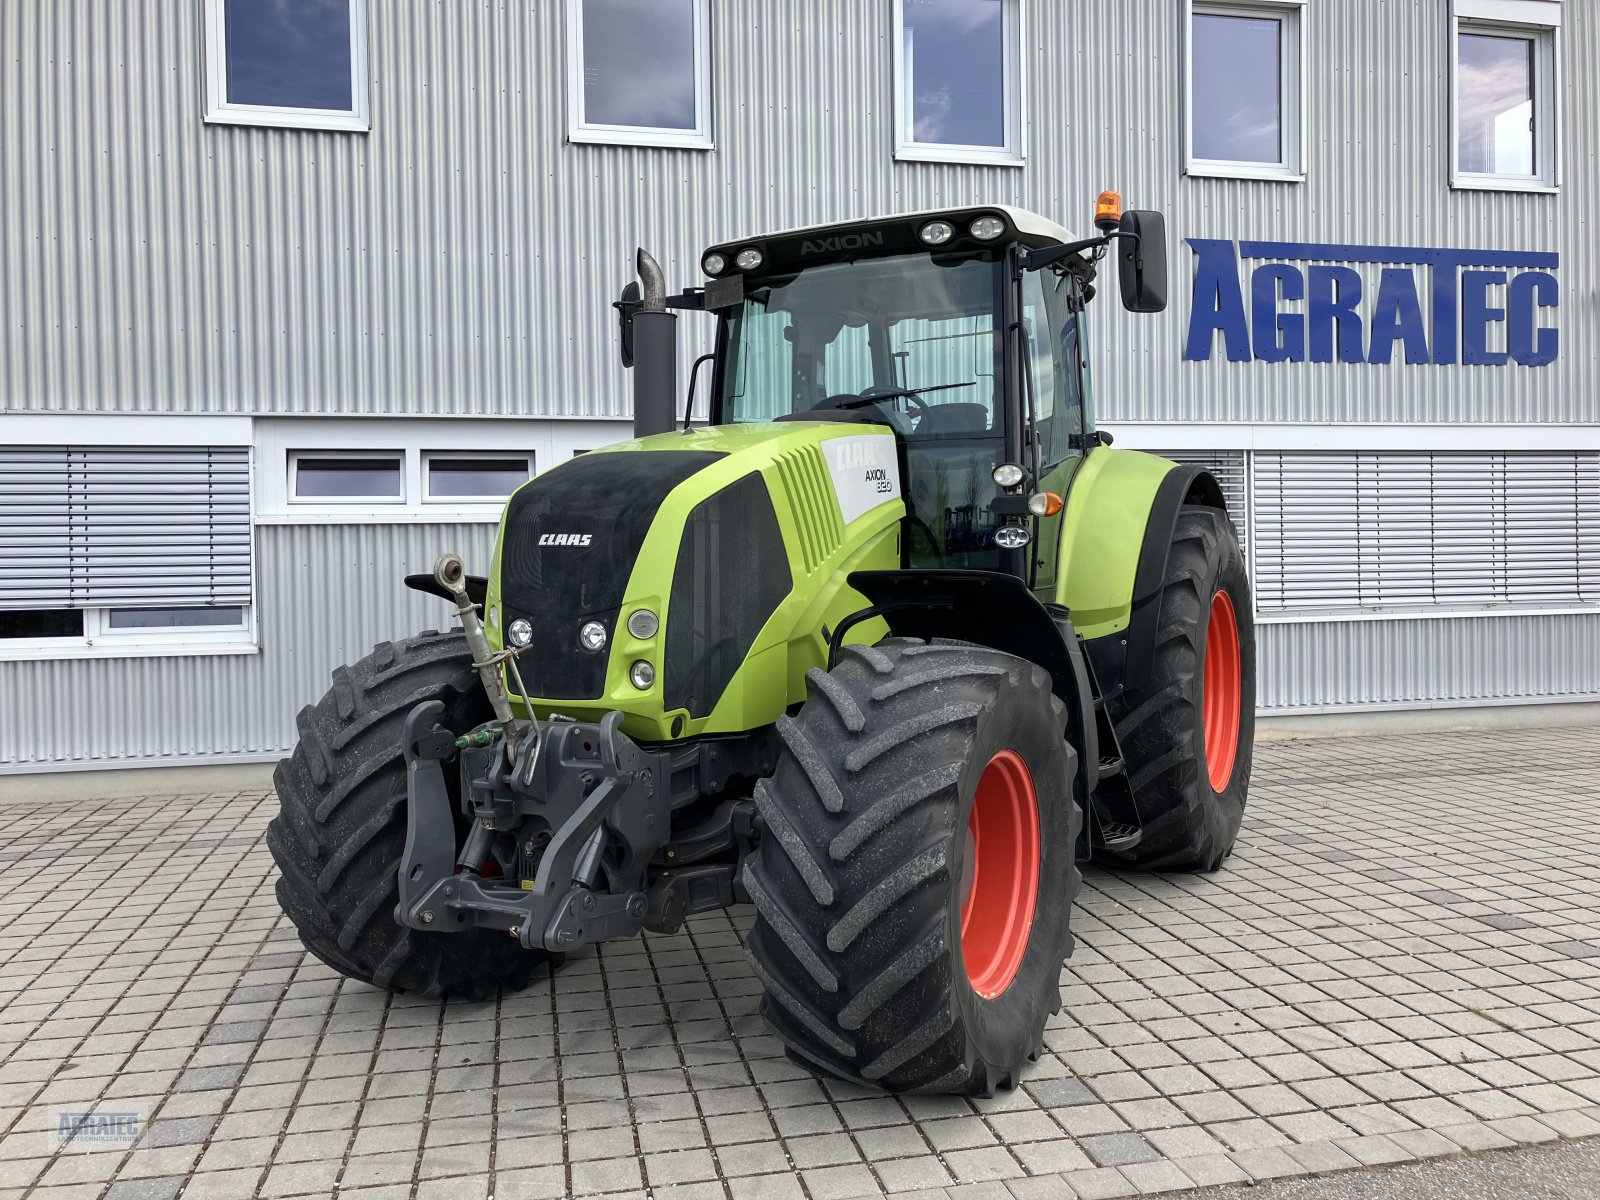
[632, 300]
[1142, 260]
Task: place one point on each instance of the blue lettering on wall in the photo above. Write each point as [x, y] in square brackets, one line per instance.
[1480, 300]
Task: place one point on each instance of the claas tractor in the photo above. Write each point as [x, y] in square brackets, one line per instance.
[887, 648]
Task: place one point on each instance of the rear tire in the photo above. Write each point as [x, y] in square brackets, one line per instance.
[1191, 783]
[341, 828]
[877, 966]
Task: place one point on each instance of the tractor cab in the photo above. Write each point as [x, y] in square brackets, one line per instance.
[960, 330]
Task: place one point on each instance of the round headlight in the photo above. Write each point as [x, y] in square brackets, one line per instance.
[642, 623]
[642, 674]
[592, 636]
[748, 259]
[1008, 475]
[714, 264]
[937, 233]
[520, 632]
[1012, 537]
[986, 229]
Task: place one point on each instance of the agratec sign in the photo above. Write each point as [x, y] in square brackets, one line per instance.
[1306, 303]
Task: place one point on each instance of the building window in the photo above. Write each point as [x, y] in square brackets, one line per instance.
[346, 478]
[174, 618]
[639, 72]
[452, 477]
[360, 471]
[1505, 89]
[958, 80]
[1246, 72]
[124, 550]
[289, 63]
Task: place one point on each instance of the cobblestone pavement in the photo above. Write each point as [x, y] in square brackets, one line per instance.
[1401, 961]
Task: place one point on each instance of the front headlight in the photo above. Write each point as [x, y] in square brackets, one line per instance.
[1008, 475]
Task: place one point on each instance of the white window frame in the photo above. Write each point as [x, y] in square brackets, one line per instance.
[1014, 86]
[1539, 21]
[220, 111]
[99, 640]
[1291, 90]
[375, 455]
[546, 442]
[479, 455]
[580, 129]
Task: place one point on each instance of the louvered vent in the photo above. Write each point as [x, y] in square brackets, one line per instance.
[133, 526]
[1231, 473]
[1405, 529]
[811, 500]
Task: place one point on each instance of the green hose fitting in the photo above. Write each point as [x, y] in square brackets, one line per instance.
[479, 737]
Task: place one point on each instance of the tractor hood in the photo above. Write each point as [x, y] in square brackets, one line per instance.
[728, 535]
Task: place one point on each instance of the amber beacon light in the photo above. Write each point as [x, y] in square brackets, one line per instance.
[1108, 211]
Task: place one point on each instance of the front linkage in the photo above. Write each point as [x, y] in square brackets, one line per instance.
[570, 833]
[555, 791]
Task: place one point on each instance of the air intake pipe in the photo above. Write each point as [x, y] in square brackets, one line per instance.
[655, 353]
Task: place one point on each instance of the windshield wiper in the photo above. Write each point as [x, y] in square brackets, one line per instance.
[895, 393]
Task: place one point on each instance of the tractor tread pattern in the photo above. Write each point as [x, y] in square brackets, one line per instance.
[1161, 731]
[862, 797]
[341, 826]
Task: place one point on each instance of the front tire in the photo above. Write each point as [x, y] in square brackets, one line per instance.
[1187, 735]
[341, 827]
[915, 877]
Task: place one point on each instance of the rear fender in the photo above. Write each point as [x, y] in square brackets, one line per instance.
[1121, 514]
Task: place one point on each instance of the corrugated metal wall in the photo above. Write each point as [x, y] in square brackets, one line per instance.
[459, 258]
[324, 593]
[1437, 661]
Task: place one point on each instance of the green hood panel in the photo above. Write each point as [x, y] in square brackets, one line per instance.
[835, 503]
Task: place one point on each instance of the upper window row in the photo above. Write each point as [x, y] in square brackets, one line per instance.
[639, 73]
[1246, 91]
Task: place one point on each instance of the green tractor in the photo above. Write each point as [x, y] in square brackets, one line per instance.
[887, 649]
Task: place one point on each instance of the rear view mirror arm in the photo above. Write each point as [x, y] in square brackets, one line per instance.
[1035, 260]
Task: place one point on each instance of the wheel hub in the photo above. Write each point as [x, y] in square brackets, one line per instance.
[1222, 691]
[1000, 874]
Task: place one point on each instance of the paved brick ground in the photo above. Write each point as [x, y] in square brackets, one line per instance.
[1402, 960]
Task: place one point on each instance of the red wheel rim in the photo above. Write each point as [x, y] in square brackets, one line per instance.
[1223, 691]
[1001, 875]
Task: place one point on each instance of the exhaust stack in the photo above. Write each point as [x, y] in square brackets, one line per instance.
[655, 353]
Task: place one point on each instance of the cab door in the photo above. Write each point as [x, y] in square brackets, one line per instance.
[1052, 318]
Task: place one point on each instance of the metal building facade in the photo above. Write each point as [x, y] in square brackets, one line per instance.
[458, 260]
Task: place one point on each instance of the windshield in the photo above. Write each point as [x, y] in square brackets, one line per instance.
[915, 338]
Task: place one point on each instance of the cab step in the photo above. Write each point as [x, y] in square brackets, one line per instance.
[1120, 838]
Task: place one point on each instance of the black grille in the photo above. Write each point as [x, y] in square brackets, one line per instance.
[593, 514]
[732, 572]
